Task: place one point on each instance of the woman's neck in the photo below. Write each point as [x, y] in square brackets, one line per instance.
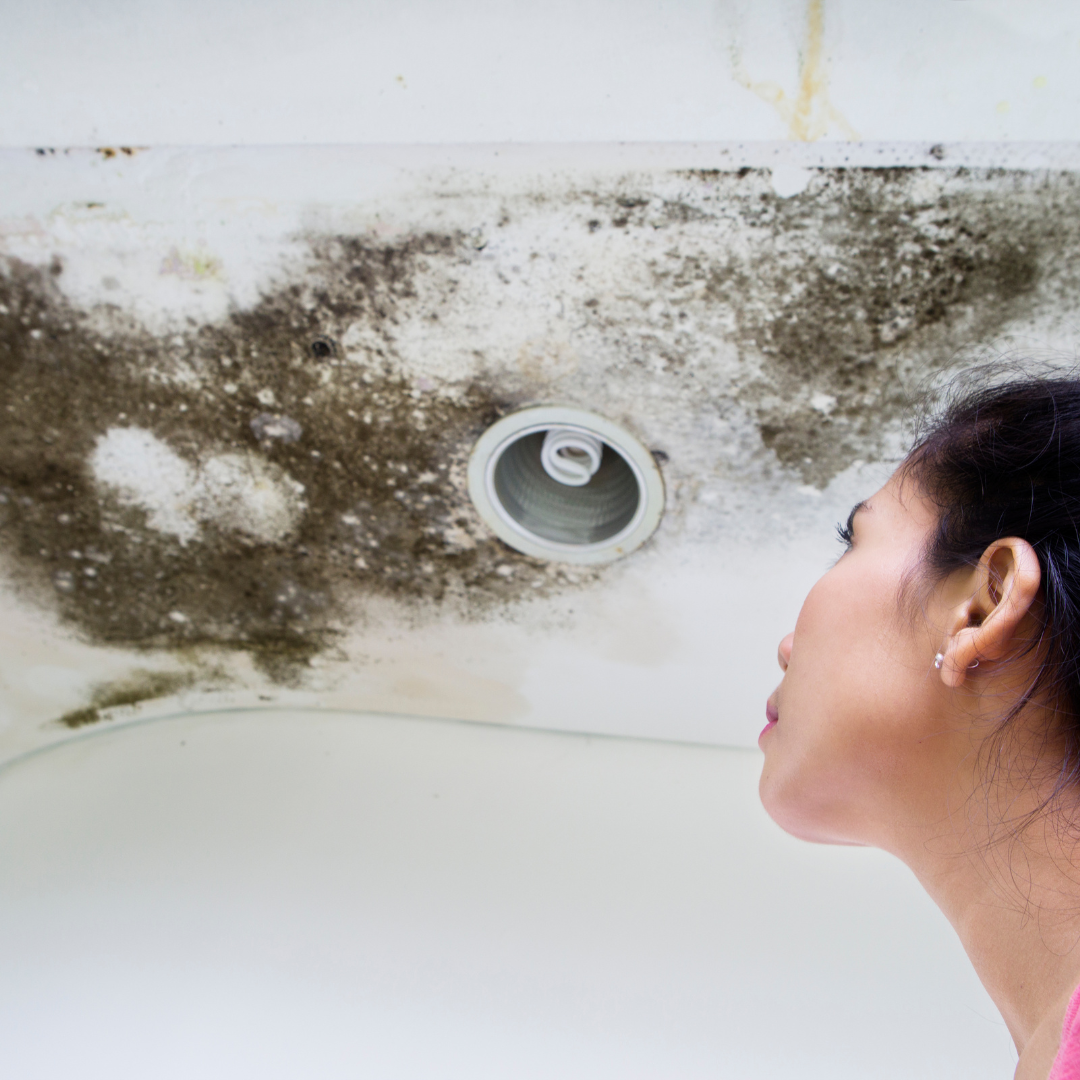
[1014, 901]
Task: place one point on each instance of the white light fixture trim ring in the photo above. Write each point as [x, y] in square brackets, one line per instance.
[540, 418]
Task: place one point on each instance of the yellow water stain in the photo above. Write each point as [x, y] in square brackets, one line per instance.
[547, 360]
[441, 689]
[809, 113]
[400, 80]
[1002, 107]
[1039, 82]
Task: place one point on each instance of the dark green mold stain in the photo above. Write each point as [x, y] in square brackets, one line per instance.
[373, 451]
[138, 687]
[873, 279]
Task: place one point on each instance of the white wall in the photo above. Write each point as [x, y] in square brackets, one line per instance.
[276, 895]
[430, 71]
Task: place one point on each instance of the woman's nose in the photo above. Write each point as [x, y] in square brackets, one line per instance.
[783, 654]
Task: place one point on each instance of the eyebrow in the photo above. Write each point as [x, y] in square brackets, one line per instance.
[862, 505]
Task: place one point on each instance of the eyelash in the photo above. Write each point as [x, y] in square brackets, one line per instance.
[843, 534]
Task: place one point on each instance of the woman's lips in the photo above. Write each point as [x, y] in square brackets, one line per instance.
[771, 716]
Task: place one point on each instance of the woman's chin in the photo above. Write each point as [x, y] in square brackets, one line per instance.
[787, 805]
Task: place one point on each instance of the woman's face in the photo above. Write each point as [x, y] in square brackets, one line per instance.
[860, 738]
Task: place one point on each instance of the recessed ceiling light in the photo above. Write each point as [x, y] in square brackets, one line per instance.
[567, 485]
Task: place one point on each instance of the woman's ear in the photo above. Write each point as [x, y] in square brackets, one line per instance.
[988, 624]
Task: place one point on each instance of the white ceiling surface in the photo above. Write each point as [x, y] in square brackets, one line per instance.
[652, 651]
[678, 643]
[454, 73]
[283, 894]
[94, 72]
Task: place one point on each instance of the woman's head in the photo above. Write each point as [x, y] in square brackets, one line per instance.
[971, 551]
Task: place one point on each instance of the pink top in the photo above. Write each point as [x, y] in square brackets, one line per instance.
[1067, 1063]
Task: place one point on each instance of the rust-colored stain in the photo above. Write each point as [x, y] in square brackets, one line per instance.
[810, 113]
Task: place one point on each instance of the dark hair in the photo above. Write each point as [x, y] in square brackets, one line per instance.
[1003, 459]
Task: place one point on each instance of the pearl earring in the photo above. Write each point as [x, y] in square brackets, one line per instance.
[939, 660]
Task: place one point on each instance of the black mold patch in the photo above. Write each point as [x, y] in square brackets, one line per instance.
[868, 281]
[846, 299]
[839, 301]
[375, 455]
[138, 687]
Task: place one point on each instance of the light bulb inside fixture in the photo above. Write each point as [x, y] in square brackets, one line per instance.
[571, 457]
